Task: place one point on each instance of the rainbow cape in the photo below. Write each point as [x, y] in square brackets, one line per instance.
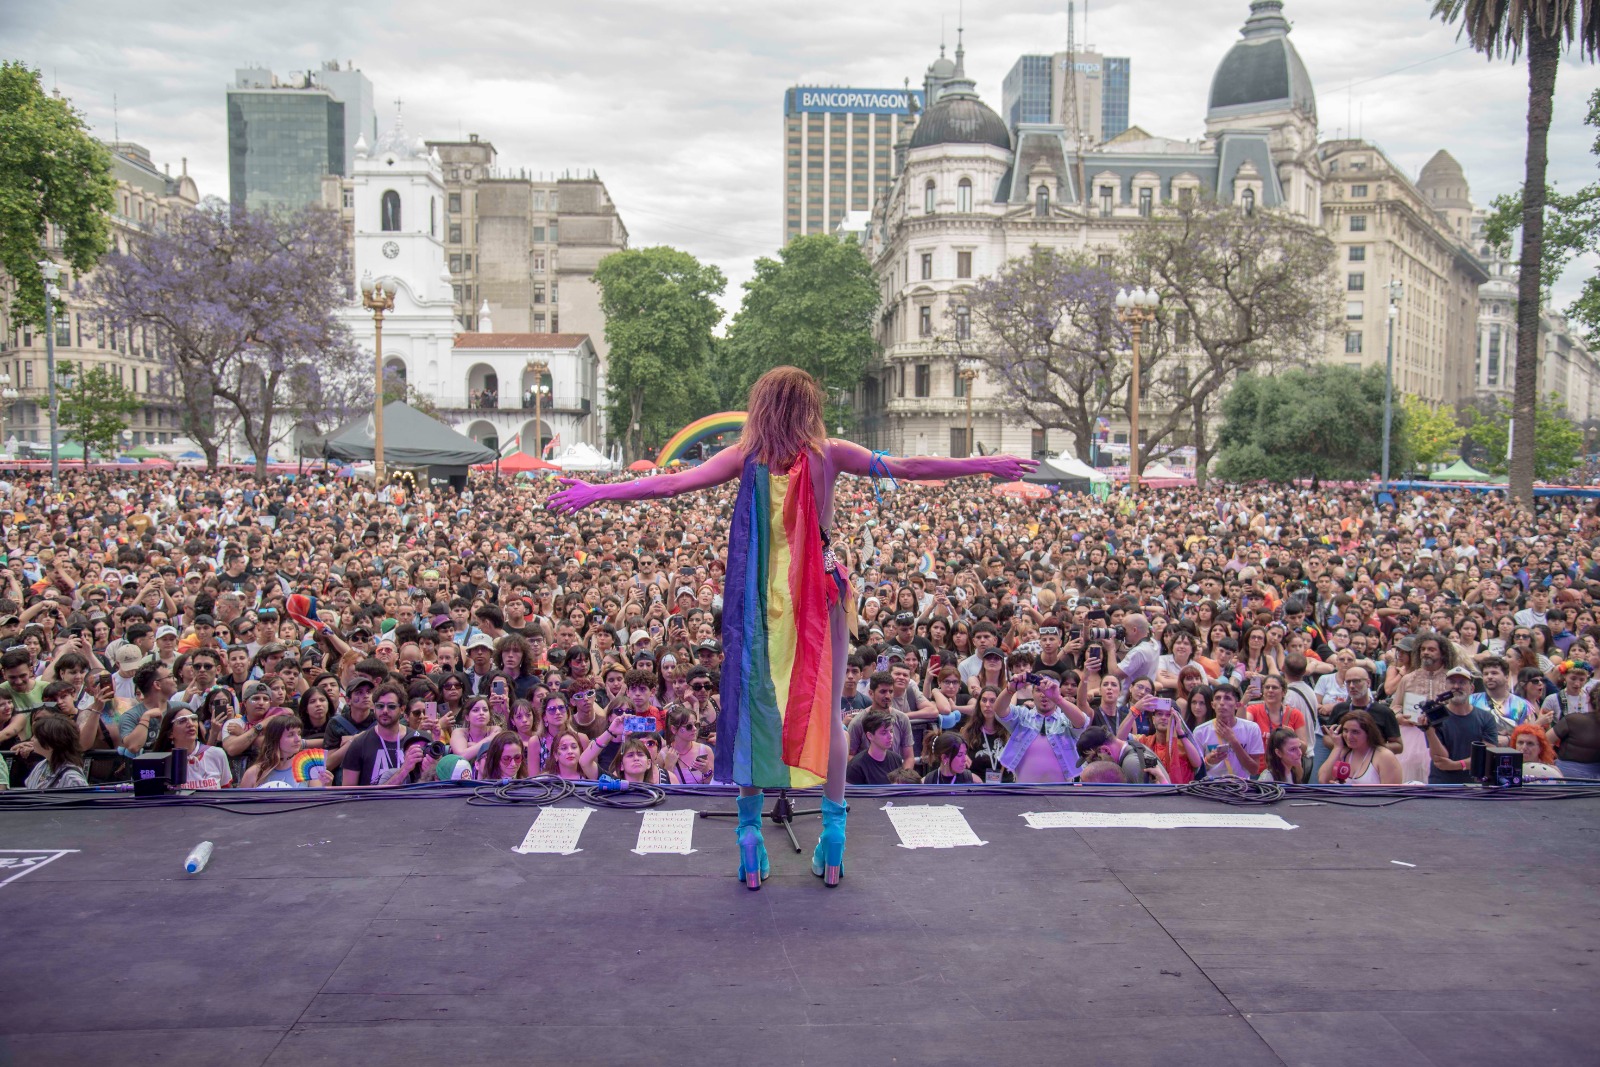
[777, 670]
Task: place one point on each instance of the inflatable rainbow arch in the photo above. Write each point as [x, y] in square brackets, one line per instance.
[721, 422]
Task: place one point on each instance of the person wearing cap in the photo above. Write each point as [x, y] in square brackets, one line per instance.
[129, 658]
[355, 717]
[166, 650]
[1451, 739]
[480, 662]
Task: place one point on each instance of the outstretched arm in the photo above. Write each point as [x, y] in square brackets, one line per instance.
[852, 458]
[577, 495]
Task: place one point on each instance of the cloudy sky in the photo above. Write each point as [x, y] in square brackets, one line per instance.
[678, 104]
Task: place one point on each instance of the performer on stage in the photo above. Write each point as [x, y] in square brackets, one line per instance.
[783, 618]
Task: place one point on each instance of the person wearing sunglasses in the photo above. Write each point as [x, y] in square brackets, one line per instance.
[375, 756]
[700, 697]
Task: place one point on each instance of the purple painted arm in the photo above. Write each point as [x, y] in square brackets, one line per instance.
[577, 495]
[854, 459]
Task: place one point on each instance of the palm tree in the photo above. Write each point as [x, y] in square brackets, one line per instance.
[1497, 28]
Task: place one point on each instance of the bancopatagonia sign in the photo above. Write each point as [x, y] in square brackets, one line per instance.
[853, 101]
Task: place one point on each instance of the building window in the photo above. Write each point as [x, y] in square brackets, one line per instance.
[538, 294]
[455, 264]
[1248, 201]
[1352, 343]
[538, 233]
[554, 236]
[963, 264]
[958, 442]
[390, 211]
[1104, 261]
[924, 379]
[1358, 190]
[455, 202]
[455, 233]
[537, 262]
[927, 198]
[925, 321]
[1357, 282]
[1186, 197]
[964, 195]
[1358, 223]
[349, 199]
[1358, 253]
[1354, 309]
[1107, 196]
[1146, 202]
[1041, 201]
[1494, 355]
[927, 266]
[1180, 327]
[900, 382]
[963, 325]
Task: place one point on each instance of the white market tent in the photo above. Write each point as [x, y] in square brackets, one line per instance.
[1078, 468]
[1160, 470]
[581, 456]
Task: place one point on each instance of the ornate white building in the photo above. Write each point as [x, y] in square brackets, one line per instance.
[486, 384]
[968, 199]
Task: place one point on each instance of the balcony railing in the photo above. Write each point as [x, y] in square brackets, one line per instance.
[560, 404]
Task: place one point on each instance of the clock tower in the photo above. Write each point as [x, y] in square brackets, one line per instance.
[397, 200]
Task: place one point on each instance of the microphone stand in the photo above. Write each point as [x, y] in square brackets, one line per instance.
[783, 813]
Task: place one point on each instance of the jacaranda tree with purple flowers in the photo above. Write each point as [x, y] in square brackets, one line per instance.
[244, 306]
[1241, 291]
[1044, 328]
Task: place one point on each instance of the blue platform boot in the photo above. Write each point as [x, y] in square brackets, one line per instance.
[753, 865]
[827, 862]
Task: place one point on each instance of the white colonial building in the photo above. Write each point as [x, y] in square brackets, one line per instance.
[488, 385]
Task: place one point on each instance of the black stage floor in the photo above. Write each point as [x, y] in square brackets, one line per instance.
[409, 932]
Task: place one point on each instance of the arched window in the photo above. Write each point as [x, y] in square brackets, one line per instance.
[1041, 201]
[391, 211]
[927, 198]
[964, 195]
[1248, 201]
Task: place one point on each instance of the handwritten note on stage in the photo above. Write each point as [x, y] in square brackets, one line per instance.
[931, 826]
[555, 831]
[1149, 820]
[666, 832]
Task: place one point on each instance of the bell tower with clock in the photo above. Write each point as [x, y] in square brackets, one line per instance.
[397, 199]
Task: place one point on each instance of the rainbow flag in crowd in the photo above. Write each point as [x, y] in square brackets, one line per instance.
[777, 669]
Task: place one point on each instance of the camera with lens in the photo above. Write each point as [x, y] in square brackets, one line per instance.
[1108, 633]
[1434, 711]
[435, 749]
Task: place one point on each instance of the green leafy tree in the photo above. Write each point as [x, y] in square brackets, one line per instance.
[95, 410]
[1316, 422]
[1430, 432]
[1556, 441]
[1499, 28]
[395, 387]
[812, 307]
[1571, 230]
[660, 306]
[52, 173]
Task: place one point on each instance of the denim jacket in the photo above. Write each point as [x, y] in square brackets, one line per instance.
[1026, 723]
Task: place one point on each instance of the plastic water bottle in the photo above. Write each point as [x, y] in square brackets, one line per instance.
[197, 859]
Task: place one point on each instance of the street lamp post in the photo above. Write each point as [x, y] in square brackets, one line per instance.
[1136, 308]
[539, 368]
[9, 395]
[1396, 291]
[968, 369]
[377, 297]
[50, 273]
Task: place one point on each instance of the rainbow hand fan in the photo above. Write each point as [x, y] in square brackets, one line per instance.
[305, 762]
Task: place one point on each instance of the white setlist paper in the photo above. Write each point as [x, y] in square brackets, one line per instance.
[1149, 820]
[666, 832]
[555, 831]
[931, 826]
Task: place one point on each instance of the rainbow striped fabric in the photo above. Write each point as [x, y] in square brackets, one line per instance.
[777, 664]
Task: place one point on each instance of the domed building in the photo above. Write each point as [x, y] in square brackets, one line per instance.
[971, 196]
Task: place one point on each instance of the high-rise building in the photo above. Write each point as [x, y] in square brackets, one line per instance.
[527, 244]
[284, 137]
[1035, 91]
[839, 151]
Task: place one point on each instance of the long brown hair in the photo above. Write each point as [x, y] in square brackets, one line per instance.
[785, 412]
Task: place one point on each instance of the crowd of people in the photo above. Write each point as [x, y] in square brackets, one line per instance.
[311, 632]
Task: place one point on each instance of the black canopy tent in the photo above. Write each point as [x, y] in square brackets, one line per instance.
[410, 439]
[1048, 473]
